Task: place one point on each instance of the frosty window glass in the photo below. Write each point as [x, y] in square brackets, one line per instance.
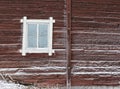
[37, 35]
[32, 35]
[43, 36]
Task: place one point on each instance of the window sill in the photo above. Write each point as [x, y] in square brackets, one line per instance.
[36, 51]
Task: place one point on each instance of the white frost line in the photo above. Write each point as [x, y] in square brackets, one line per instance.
[61, 60]
[92, 17]
[10, 44]
[113, 23]
[103, 33]
[112, 67]
[8, 69]
[80, 61]
[78, 73]
[95, 45]
[33, 68]
[110, 51]
[44, 68]
[54, 68]
[50, 73]
[96, 50]
[62, 73]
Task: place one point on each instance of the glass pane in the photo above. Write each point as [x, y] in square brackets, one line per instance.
[32, 35]
[43, 36]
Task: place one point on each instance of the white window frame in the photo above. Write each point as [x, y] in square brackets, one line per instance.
[26, 49]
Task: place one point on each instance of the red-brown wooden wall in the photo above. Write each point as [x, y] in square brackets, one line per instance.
[33, 68]
[95, 42]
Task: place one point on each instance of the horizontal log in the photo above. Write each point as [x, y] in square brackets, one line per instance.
[14, 16]
[13, 55]
[99, 70]
[40, 80]
[34, 69]
[86, 38]
[97, 19]
[97, 1]
[94, 24]
[95, 7]
[95, 80]
[24, 64]
[95, 64]
[95, 47]
[91, 30]
[97, 58]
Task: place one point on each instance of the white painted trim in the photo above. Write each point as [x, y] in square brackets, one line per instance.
[24, 36]
[38, 21]
[50, 35]
[25, 48]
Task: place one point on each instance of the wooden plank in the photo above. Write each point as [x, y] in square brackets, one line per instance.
[93, 38]
[40, 80]
[96, 55]
[98, 1]
[24, 64]
[95, 64]
[99, 80]
[69, 28]
[95, 47]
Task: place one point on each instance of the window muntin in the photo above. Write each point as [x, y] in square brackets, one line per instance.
[37, 36]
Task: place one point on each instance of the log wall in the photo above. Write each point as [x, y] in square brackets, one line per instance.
[32, 68]
[95, 42]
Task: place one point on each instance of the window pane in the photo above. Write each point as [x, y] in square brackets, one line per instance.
[32, 35]
[43, 36]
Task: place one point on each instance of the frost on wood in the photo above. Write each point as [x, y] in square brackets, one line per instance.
[6, 85]
[11, 85]
[21, 71]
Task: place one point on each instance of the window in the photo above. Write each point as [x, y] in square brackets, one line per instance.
[37, 36]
